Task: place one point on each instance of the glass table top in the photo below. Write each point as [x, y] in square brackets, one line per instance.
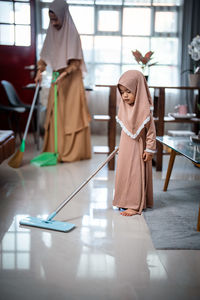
[182, 145]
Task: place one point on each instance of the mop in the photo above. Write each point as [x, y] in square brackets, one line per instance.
[51, 224]
[50, 158]
[16, 160]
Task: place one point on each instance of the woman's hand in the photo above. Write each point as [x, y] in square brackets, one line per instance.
[147, 156]
[38, 77]
[61, 76]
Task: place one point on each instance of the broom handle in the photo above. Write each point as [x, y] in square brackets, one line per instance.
[55, 118]
[31, 111]
[86, 181]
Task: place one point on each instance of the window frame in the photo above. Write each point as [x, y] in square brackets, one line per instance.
[119, 7]
[17, 24]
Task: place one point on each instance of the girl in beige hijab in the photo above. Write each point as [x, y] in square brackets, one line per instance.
[133, 182]
[63, 53]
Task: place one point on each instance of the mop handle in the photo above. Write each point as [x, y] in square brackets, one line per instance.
[86, 181]
[31, 110]
[55, 76]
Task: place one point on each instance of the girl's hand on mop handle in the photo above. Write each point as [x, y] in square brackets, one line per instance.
[147, 156]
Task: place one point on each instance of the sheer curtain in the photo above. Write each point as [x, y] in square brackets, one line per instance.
[190, 28]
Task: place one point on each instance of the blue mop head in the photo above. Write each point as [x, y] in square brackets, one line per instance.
[52, 225]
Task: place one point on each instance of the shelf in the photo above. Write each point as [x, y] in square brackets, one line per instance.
[173, 120]
[101, 149]
[101, 118]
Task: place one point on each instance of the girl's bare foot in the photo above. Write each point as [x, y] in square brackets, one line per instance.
[128, 212]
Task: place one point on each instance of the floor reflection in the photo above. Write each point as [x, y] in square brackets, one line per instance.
[15, 247]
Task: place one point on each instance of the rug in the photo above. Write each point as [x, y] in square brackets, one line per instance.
[173, 220]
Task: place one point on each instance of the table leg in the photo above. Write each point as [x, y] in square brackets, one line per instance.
[112, 125]
[198, 222]
[169, 169]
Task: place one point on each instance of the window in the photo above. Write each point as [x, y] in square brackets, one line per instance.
[110, 29]
[15, 23]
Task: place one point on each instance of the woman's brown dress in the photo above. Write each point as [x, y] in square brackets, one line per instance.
[72, 117]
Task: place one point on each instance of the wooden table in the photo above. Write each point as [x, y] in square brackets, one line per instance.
[185, 147]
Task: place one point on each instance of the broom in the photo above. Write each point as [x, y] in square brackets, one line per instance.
[50, 158]
[16, 160]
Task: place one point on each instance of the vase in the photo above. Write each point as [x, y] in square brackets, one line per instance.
[194, 80]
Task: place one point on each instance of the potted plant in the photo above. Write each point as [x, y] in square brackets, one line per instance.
[144, 61]
[194, 51]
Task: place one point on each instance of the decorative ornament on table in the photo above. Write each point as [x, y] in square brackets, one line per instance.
[144, 61]
[194, 51]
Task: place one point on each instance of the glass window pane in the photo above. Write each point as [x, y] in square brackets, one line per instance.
[89, 79]
[166, 21]
[137, 2]
[133, 43]
[45, 18]
[80, 1]
[107, 74]
[104, 20]
[22, 35]
[7, 34]
[136, 21]
[129, 67]
[110, 2]
[6, 12]
[107, 49]
[22, 13]
[165, 50]
[164, 75]
[87, 45]
[83, 17]
[167, 2]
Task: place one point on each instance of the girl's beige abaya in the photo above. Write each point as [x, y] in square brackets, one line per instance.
[133, 182]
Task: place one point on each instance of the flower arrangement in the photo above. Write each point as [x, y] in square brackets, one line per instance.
[194, 51]
[143, 61]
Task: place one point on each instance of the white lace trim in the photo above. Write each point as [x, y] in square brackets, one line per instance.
[133, 136]
[149, 150]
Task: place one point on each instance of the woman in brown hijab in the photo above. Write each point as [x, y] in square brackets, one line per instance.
[133, 182]
[63, 53]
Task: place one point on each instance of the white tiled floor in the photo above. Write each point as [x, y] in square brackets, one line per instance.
[106, 256]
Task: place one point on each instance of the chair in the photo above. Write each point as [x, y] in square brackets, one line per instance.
[13, 113]
[7, 144]
[15, 102]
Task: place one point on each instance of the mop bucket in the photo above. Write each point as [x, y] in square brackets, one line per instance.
[50, 158]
